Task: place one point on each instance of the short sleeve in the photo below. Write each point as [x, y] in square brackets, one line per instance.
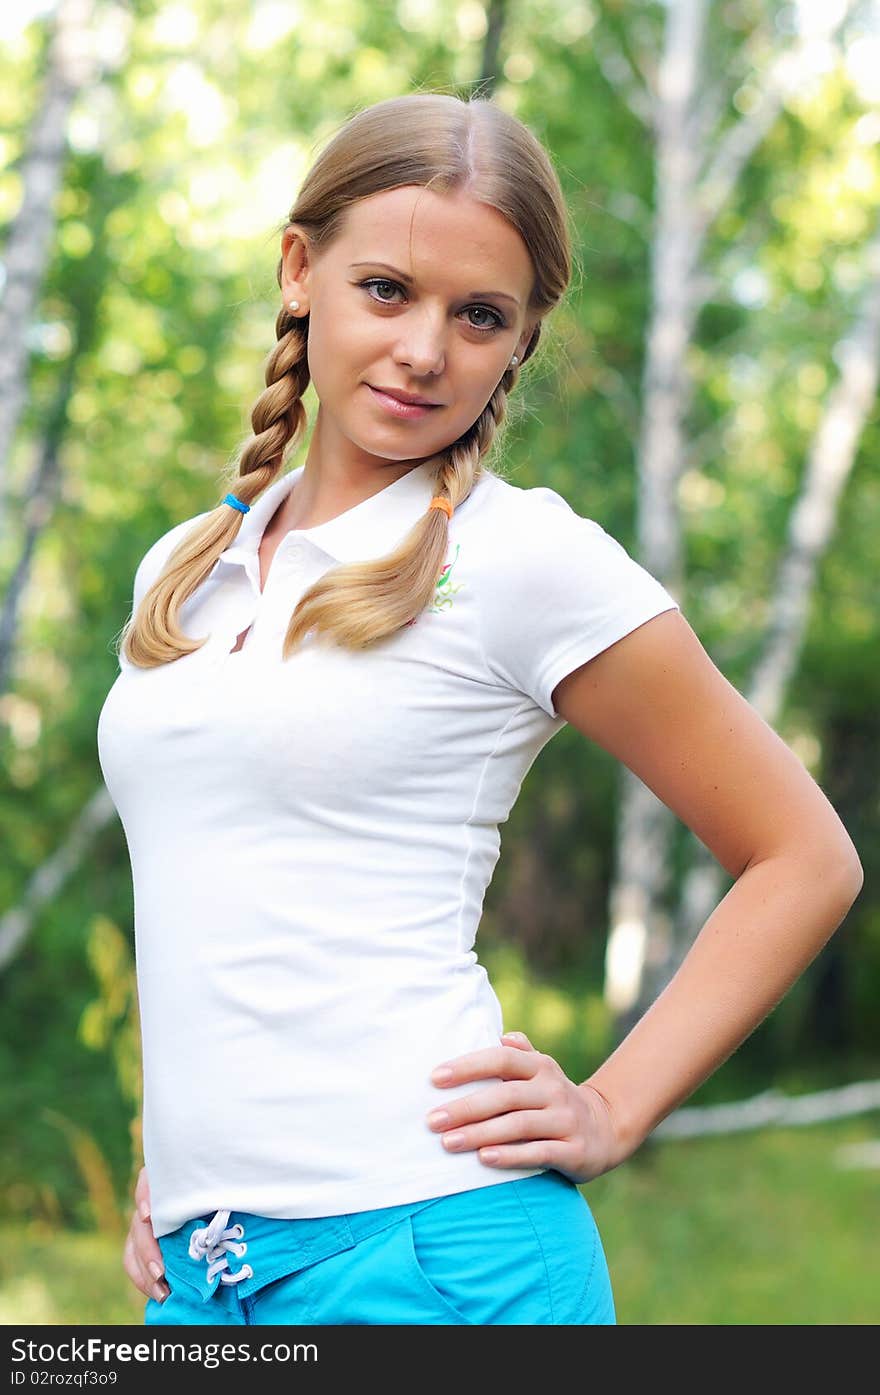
[567, 590]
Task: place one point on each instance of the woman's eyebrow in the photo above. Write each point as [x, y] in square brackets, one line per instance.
[402, 276]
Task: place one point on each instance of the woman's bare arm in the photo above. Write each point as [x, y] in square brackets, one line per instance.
[657, 702]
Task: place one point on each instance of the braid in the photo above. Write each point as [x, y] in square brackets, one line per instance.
[461, 466]
[153, 635]
[278, 415]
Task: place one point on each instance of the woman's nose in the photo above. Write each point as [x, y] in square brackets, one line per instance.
[423, 348]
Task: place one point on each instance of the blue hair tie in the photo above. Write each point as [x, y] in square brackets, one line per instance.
[237, 504]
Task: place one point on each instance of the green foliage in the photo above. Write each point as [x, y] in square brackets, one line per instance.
[111, 1020]
[764, 1229]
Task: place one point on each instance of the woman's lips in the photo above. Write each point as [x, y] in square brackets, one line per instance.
[400, 409]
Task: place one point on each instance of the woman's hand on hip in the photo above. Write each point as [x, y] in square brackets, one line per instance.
[533, 1116]
[142, 1257]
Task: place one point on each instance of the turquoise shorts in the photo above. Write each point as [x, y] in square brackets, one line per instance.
[522, 1251]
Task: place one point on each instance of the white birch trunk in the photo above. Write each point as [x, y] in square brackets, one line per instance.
[695, 179]
[28, 243]
[638, 931]
[811, 530]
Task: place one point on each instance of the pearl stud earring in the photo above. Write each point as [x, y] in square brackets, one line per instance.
[293, 305]
[514, 360]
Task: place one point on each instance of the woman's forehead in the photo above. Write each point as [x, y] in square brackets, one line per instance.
[415, 229]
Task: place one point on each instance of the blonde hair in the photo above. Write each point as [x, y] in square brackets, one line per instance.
[430, 139]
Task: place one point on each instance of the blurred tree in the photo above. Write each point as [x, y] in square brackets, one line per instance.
[700, 156]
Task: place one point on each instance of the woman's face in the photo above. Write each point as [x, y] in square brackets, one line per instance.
[447, 334]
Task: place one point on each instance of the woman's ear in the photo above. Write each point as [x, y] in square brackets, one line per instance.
[295, 262]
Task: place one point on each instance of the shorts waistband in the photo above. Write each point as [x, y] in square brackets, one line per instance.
[199, 1253]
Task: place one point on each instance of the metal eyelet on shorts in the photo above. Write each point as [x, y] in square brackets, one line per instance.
[210, 1243]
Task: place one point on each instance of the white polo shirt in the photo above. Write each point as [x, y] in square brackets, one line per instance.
[311, 842]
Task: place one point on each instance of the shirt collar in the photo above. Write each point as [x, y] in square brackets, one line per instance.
[366, 531]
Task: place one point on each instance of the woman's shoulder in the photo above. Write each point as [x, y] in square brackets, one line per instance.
[534, 547]
[537, 518]
[554, 589]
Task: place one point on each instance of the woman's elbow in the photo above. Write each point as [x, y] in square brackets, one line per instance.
[849, 875]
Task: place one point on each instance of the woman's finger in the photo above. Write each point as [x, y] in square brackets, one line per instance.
[146, 1245]
[142, 1282]
[517, 1039]
[142, 1261]
[149, 1256]
[483, 1104]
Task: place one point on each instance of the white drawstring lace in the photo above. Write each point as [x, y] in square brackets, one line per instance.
[210, 1241]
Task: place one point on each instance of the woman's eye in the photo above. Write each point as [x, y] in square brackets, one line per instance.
[378, 282]
[497, 322]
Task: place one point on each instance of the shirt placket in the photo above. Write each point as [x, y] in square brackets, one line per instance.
[265, 615]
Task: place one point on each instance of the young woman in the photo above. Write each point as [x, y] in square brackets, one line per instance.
[332, 686]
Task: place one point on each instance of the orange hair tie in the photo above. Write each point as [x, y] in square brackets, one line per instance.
[445, 504]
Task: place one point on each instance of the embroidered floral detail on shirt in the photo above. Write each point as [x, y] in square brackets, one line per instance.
[444, 590]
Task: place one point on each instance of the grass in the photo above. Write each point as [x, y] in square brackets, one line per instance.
[759, 1228]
